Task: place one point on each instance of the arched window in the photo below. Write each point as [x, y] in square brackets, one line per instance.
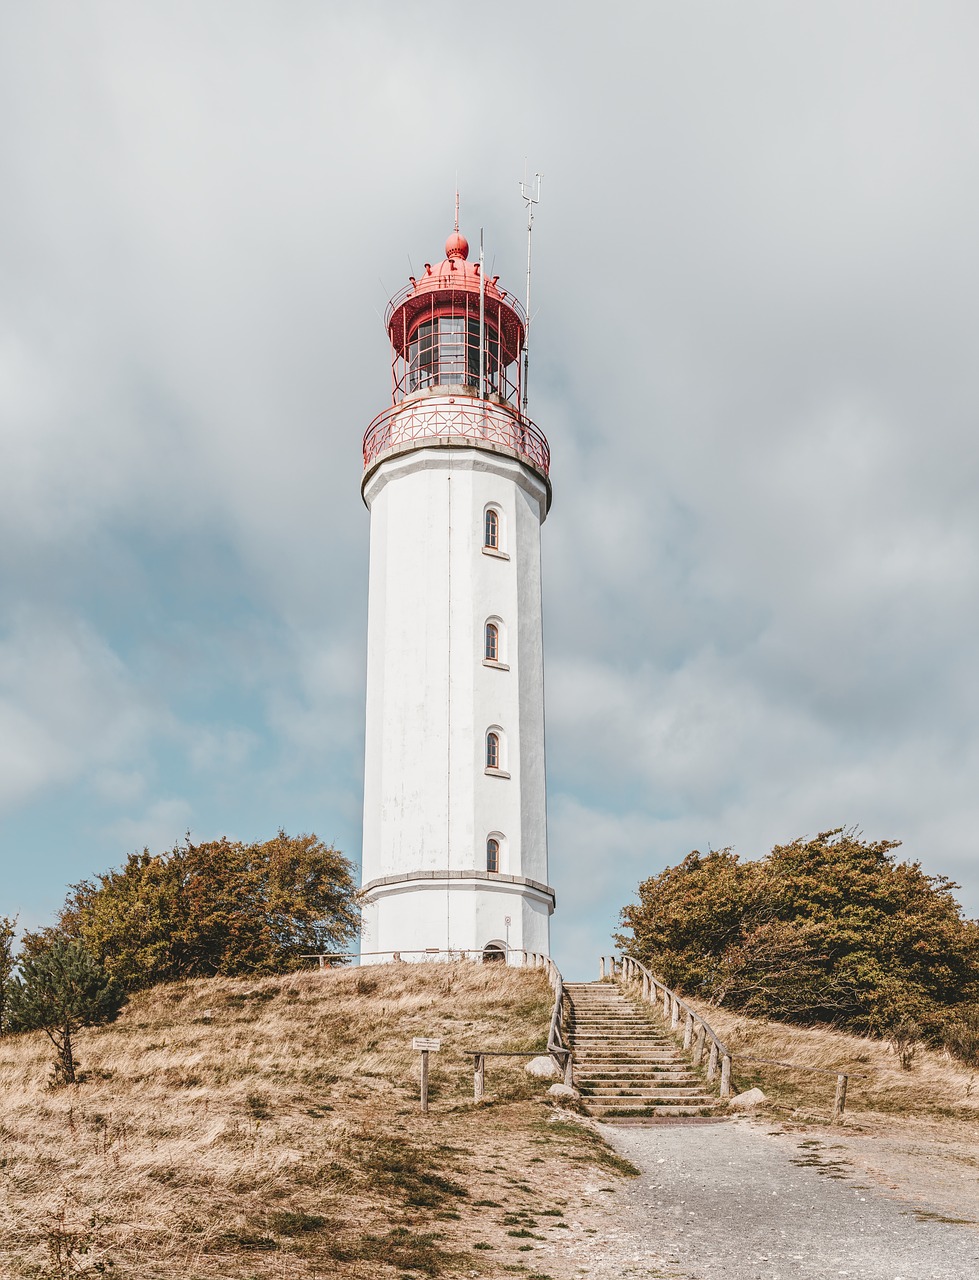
[492, 750]
[491, 529]
[492, 854]
[491, 648]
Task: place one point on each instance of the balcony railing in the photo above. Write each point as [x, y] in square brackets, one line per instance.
[458, 420]
[448, 284]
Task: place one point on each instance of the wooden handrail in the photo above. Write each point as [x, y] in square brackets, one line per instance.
[555, 1035]
[697, 1031]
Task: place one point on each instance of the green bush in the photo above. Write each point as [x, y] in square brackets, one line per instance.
[832, 929]
[222, 907]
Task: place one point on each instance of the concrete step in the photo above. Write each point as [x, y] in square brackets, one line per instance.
[628, 1065]
[627, 1077]
[643, 1029]
[691, 1095]
[636, 1059]
[600, 1111]
[641, 1036]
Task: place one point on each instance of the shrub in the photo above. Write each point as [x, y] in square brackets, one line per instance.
[831, 929]
[222, 907]
[60, 990]
[961, 1035]
[8, 929]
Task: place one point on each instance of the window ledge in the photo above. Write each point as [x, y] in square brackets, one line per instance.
[500, 666]
[496, 773]
[492, 551]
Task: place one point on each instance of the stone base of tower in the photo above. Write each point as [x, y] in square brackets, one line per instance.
[428, 915]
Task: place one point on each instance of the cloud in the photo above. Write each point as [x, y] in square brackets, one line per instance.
[66, 705]
[753, 354]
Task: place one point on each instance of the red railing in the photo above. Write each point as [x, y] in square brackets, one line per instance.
[466, 420]
[499, 293]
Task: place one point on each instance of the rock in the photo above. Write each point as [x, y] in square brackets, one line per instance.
[563, 1091]
[750, 1098]
[544, 1067]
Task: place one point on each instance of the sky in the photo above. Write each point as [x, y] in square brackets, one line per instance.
[756, 312]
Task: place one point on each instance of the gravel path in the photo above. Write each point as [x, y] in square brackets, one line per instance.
[738, 1201]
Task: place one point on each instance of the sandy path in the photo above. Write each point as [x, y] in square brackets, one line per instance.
[748, 1201]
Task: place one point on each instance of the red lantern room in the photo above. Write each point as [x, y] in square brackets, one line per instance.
[443, 393]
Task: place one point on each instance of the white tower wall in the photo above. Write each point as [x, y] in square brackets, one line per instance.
[429, 802]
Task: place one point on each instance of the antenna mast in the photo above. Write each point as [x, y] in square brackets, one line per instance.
[531, 196]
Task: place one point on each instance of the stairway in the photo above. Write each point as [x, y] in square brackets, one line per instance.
[626, 1065]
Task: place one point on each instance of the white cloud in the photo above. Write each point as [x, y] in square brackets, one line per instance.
[754, 357]
[67, 706]
[161, 826]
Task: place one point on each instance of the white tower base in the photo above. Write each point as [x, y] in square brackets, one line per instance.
[432, 798]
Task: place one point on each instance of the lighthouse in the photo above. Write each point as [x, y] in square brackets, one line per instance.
[456, 483]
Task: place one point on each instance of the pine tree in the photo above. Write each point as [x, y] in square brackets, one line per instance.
[8, 930]
[60, 990]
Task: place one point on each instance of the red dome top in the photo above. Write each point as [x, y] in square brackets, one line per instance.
[457, 246]
[447, 285]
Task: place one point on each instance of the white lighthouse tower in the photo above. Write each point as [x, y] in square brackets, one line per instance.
[456, 481]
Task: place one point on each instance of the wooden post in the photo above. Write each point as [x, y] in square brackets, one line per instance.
[601, 968]
[425, 1045]
[645, 987]
[666, 1004]
[839, 1102]
[479, 1077]
[726, 1076]
[688, 1031]
[712, 1061]
[675, 1015]
[569, 1071]
[698, 1048]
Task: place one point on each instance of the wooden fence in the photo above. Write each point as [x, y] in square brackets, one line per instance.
[556, 1046]
[696, 1032]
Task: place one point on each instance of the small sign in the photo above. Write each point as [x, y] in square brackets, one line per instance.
[425, 1044]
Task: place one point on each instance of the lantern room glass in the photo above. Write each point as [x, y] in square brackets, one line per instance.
[445, 352]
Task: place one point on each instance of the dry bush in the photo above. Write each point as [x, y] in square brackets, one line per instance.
[270, 1128]
[961, 1035]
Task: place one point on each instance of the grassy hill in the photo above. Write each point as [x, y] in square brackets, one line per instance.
[930, 1083]
[270, 1128]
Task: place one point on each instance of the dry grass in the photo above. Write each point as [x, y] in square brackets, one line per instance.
[936, 1084]
[271, 1129]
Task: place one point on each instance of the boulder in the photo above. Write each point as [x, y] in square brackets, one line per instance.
[544, 1067]
[750, 1098]
[563, 1091]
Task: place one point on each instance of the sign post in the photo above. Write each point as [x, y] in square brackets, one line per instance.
[425, 1045]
